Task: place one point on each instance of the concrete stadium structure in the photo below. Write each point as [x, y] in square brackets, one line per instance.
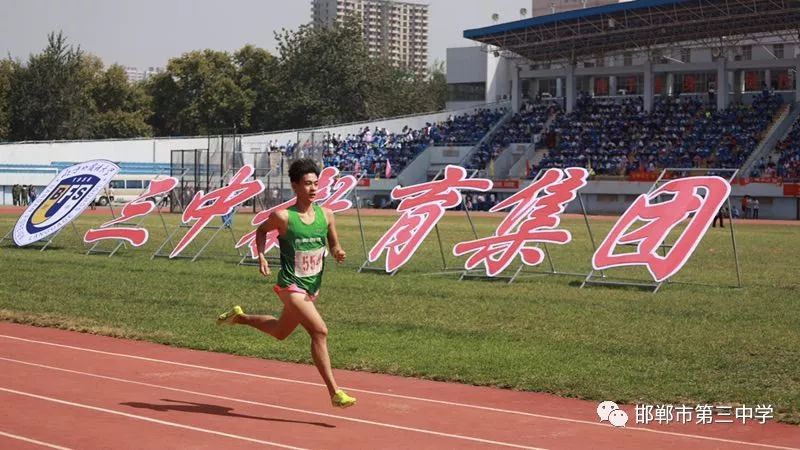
[644, 48]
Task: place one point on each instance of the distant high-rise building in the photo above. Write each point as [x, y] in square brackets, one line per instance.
[152, 71]
[546, 7]
[395, 30]
[135, 75]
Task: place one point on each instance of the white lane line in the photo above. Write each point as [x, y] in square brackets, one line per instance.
[405, 397]
[147, 419]
[270, 405]
[33, 441]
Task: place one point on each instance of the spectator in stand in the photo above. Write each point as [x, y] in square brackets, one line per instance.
[788, 165]
[521, 128]
[746, 206]
[615, 137]
[369, 149]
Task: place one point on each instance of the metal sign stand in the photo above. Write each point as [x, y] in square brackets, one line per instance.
[7, 236]
[217, 229]
[445, 268]
[520, 272]
[358, 215]
[665, 247]
[261, 201]
[46, 242]
[226, 225]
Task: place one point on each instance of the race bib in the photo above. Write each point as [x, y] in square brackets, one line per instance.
[308, 263]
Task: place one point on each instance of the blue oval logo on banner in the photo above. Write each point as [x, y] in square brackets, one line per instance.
[64, 199]
[70, 192]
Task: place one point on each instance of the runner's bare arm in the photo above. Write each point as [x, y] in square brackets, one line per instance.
[333, 239]
[278, 220]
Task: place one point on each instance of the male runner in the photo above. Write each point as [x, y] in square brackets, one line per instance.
[304, 229]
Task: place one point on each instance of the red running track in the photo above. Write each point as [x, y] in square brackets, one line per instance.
[61, 389]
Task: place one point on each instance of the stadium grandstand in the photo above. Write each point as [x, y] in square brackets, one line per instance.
[706, 79]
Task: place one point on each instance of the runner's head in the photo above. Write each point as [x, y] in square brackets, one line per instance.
[304, 175]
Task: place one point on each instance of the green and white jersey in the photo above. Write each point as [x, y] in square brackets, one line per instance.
[303, 250]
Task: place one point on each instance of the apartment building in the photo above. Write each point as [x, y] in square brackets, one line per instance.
[397, 31]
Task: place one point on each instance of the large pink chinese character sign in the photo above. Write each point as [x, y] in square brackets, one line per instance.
[695, 198]
[422, 205]
[139, 207]
[217, 203]
[534, 218]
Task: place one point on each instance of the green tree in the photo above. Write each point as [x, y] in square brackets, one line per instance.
[437, 85]
[257, 75]
[166, 102]
[7, 68]
[324, 75]
[389, 89]
[398, 91]
[122, 107]
[200, 93]
[50, 96]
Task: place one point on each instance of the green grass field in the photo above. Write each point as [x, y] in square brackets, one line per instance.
[689, 343]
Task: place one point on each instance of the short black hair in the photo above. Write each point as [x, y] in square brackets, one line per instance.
[302, 167]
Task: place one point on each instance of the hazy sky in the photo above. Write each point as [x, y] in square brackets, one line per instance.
[144, 33]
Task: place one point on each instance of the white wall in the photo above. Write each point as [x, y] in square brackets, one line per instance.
[259, 142]
[448, 155]
[498, 78]
[462, 105]
[134, 150]
[466, 65]
[38, 178]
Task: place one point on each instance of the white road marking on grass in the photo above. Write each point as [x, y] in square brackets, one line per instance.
[146, 419]
[33, 441]
[285, 408]
[405, 397]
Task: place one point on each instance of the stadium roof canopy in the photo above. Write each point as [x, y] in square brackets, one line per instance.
[641, 26]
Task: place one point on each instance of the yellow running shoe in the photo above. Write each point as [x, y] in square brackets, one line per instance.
[341, 400]
[228, 317]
